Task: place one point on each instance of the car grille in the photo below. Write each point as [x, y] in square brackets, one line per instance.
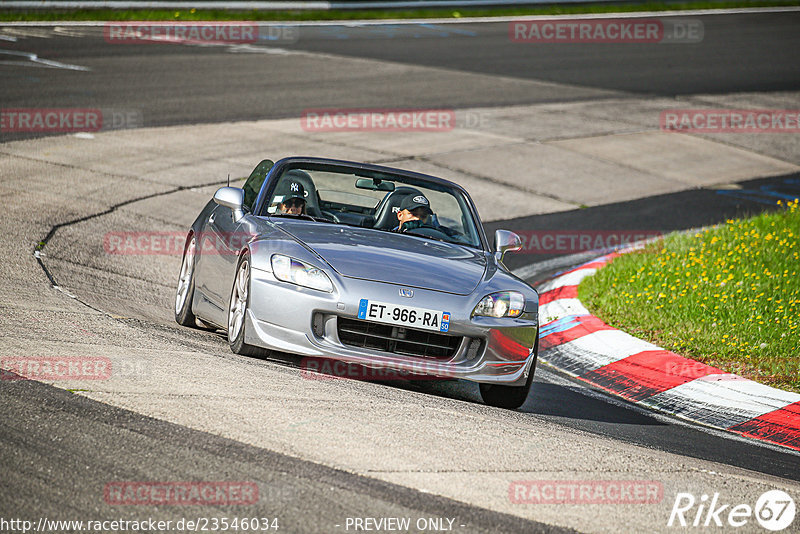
[397, 339]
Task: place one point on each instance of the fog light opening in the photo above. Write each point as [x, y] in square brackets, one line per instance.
[318, 325]
[474, 347]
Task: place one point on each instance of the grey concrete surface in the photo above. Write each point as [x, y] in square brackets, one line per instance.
[46, 428]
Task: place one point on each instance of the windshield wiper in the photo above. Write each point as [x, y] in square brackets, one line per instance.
[451, 241]
[429, 237]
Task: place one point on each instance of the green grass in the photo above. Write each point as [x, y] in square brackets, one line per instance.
[207, 14]
[728, 296]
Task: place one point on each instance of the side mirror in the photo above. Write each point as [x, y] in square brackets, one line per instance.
[231, 197]
[505, 241]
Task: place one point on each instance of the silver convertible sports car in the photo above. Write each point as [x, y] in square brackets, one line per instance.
[363, 264]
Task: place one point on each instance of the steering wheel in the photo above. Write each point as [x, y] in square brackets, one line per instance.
[329, 216]
[429, 232]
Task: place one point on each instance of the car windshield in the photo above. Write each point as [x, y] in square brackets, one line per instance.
[369, 199]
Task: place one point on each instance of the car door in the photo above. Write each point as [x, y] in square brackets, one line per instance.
[221, 240]
[220, 245]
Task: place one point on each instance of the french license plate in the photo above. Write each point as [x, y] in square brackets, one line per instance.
[384, 312]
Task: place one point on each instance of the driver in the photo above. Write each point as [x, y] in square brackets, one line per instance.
[295, 202]
[415, 212]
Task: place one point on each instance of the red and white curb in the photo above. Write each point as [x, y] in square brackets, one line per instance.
[580, 344]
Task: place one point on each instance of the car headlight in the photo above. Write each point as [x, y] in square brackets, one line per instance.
[501, 304]
[296, 272]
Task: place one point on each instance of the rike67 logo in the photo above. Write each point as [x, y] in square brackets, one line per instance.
[774, 510]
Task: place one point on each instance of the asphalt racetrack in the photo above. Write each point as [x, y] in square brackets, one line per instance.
[323, 451]
[187, 85]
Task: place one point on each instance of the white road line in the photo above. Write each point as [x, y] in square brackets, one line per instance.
[16, 31]
[557, 309]
[39, 62]
[570, 279]
[529, 271]
[71, 32]
[598, 349]
[248, 48]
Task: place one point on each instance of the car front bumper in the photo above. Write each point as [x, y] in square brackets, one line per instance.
[290, 318]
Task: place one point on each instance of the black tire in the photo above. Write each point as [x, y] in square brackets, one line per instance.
[183, 309]
[510, 397]
[236, 340]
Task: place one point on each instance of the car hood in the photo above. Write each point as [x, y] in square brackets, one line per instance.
[392, 258]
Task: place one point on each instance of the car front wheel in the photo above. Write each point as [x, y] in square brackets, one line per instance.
[509, 397]
[237, 310]
[185, 292]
